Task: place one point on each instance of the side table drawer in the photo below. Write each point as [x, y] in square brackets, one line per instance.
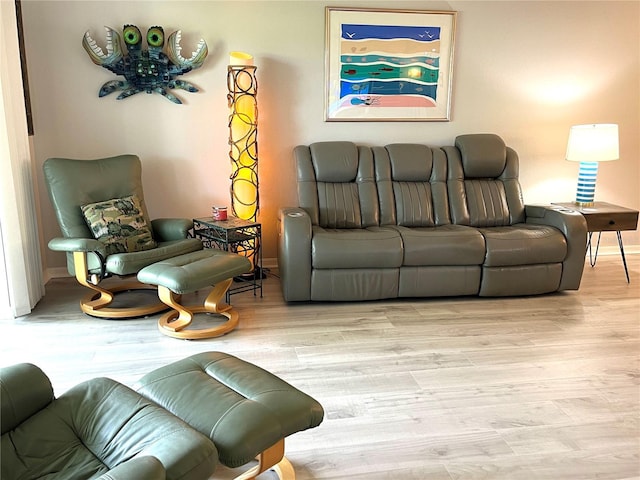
[603, 222]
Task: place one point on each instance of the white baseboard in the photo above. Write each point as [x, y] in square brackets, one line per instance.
[270, 262]
[56, 272]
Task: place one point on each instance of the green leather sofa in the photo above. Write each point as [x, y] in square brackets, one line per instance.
[408, 220]
[97, 429]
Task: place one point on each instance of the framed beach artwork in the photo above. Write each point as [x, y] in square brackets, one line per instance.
[388, 65]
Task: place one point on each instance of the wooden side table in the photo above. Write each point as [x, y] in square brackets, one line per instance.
[606, 217]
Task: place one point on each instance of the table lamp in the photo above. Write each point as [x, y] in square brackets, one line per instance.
[590, 144]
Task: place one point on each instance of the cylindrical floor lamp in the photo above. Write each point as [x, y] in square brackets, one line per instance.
[243, 135]
[243, 143]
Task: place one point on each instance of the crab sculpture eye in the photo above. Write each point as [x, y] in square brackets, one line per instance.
[132, 35]
[155, 37]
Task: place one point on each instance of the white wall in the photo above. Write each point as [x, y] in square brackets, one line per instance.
[524, 70]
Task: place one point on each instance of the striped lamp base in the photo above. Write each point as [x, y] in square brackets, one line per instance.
[586, 182]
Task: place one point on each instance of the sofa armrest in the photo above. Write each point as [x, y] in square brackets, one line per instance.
[167, 229]
[294, 253]
[574, 228]
[24, 391]
[138, 468]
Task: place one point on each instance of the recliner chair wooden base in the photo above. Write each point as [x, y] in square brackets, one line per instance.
[96, 303]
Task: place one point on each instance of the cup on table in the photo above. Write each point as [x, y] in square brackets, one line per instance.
[219, 213]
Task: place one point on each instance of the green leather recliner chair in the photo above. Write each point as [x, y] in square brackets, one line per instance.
[74, 184]
[181, 420]
[99, 429]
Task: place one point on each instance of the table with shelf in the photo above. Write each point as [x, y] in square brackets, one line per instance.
[605, 217]
[239, 236]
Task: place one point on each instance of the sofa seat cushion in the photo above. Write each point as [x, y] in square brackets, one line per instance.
[445, 245]
[372, 247]
[132, 262]
[523, 244]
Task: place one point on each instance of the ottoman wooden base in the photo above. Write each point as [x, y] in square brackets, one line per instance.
[190, 272]
[174, 322]
[271, 459]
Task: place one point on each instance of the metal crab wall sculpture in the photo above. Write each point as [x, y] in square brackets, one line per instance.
[151, 70]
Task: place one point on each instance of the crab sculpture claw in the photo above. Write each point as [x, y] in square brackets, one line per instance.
[174, 51]
[97, 55]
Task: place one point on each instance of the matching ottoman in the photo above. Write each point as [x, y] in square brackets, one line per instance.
[245, 410]
[188, 273]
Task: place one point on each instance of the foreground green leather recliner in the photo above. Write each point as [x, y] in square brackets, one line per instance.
[98, 429]
[73, 183]
[179, 422]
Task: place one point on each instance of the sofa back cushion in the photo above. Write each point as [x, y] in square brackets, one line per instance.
[336, 184]
[411, 182]
[483, 185]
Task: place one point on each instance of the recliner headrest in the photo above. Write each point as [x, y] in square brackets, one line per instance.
[410, 162]
[334, 162]
[484, 155]
[24, 390]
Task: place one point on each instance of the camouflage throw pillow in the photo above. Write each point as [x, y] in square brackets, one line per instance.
[119, 224]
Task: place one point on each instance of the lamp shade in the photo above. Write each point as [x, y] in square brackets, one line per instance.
[593, 143]
[240, 58]
[590, 144]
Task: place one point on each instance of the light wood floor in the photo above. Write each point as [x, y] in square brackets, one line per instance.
[521, 388]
